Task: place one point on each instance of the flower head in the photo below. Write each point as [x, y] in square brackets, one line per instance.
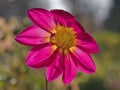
[60, 44]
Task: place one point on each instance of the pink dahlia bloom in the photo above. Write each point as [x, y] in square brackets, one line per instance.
[60, 44]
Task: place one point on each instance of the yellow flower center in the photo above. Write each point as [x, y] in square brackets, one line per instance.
[64, 37]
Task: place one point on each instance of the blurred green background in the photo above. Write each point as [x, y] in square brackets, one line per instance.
[101, 18]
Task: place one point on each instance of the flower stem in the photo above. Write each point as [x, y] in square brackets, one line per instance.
[46, 84]
[69, 87]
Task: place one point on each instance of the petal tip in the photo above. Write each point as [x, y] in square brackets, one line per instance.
[66, 82]
[29, 12]
[49, 79]
[28, 63]
[92, 70]
[98, 50]
[17, 38]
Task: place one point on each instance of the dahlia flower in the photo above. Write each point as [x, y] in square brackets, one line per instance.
[60, 44]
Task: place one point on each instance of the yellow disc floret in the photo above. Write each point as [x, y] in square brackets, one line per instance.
[64, 37]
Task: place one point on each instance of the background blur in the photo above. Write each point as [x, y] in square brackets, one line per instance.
[101, 18]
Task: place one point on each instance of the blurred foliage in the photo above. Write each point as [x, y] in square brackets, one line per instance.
[112, 23]
[93, 84]
[14, 75]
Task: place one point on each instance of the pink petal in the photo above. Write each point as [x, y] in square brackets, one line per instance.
[33, 35]
[55, 70]
[70, 70]
[62, 16]
[76, 26]
[42, 18]
[83, 60]
[40, 56]
[85, 41]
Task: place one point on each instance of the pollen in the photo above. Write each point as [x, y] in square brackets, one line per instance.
[64, 37]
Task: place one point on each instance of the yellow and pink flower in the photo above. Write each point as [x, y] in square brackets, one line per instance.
[60, 44]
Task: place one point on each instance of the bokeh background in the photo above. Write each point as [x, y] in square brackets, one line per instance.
[101, 18]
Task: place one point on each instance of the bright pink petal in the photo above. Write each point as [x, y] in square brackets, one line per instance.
[42, 18]
[55, 70]
[62, 16]
[76, 26]
[39, 56]
[83, 60]
[85, 41]
[33, 35]
[70, 70]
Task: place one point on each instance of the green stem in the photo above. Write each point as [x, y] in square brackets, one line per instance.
[46, 84]
[69, 87]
